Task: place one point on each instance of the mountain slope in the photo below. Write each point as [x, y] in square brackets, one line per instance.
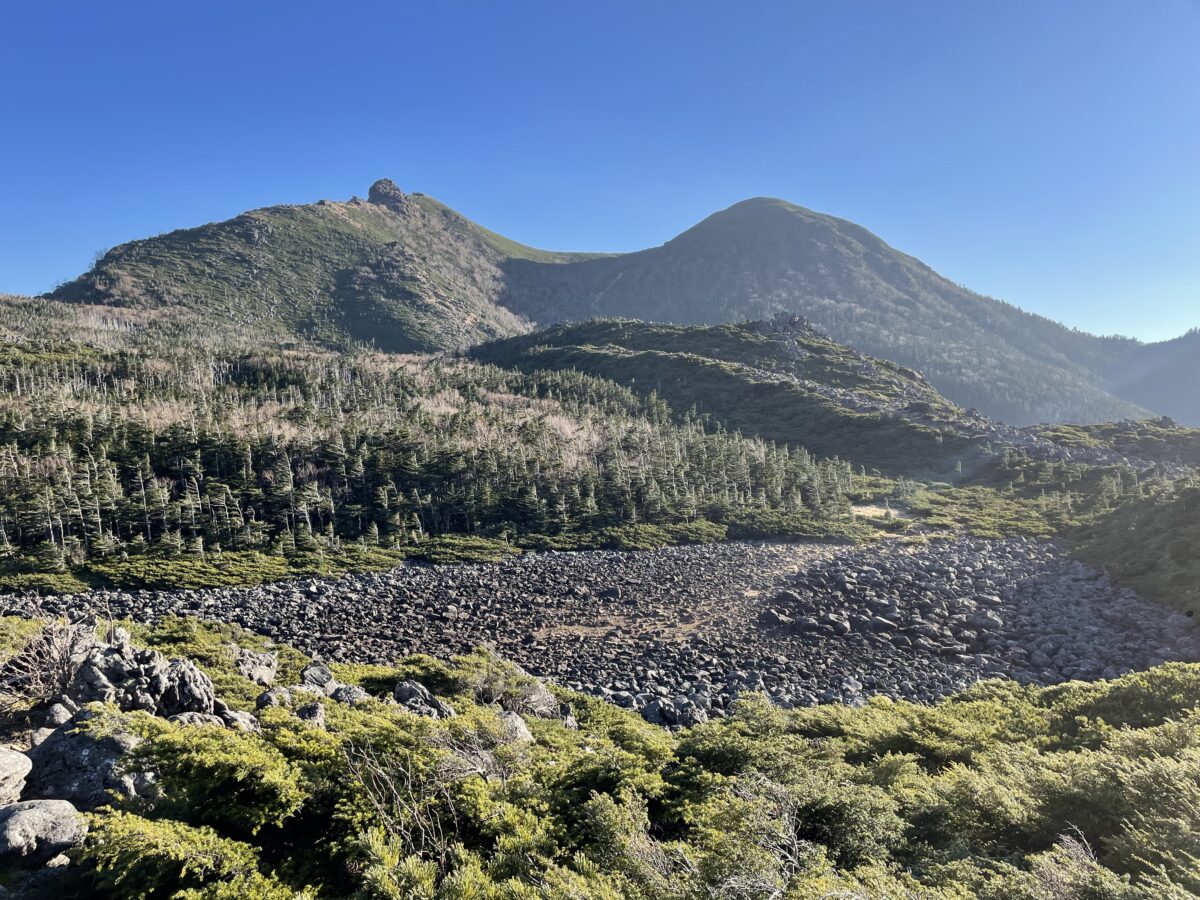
[1162, 376]
[780, 380]
[400, 271]
[764, 256]
[405, 273]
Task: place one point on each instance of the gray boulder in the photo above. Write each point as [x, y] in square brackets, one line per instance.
[349, 694]
[317, 678]
[260, 668]
[14, 767]
[36, 831]
[76, 765]
[533, 698]
[277, 696]
[239, 720]
[186, 689]
[415, 697]
[514, 728]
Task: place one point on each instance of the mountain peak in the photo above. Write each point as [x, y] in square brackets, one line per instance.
[385, 192]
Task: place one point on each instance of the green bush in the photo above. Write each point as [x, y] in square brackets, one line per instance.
[140, 859]
[1002, 791]
[209, 775]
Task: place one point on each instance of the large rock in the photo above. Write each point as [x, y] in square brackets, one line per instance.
[533, 697]
[14, 767]
[514, 728]
[74, 764]
[141, 679]
[275, 697]
[34, 832]
[349, 694]
[186, 689]
[415, 697]
[317, 678]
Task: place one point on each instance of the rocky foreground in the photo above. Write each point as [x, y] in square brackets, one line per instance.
[678, 633]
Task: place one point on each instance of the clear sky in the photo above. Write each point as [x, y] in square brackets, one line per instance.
[1046, 152]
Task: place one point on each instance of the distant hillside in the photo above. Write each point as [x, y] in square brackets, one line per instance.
[405, 273]
[779, 380]
[764, 256]
[398, 270]
[1163, 376]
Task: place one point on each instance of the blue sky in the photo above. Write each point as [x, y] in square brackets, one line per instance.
[1046, 152]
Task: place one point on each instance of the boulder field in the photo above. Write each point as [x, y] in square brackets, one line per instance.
[678, 633]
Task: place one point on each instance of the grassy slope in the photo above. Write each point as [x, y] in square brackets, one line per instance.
[1152, 545]
[406, 275]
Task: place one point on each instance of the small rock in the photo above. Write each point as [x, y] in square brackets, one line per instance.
[313, 714]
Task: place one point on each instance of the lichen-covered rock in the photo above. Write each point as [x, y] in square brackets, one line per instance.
[14, 767]
[85, 768]
[36, 831]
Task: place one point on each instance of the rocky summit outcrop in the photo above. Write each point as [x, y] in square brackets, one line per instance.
[680, 633]
[385, 192]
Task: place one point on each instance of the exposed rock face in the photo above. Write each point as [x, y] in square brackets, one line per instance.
[146, 680]
[385, 192]
[75, 765]
[141, 679]
[14, 767]
[34, 832]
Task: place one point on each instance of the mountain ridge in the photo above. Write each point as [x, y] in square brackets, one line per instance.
[406, 273]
